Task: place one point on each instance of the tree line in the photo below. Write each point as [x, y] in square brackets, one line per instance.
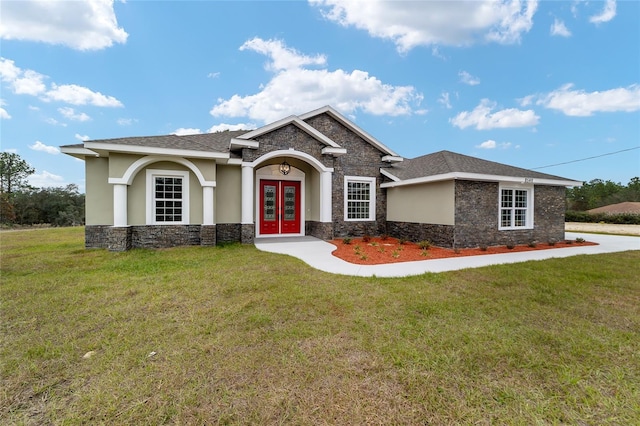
[23, 204]
[597, 193]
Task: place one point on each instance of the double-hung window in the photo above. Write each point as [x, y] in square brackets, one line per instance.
[516, 208]
[359, 198]
[167, 197]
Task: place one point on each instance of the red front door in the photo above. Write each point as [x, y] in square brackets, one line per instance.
[279, 207]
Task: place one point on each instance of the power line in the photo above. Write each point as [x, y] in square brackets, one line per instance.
[588, 158]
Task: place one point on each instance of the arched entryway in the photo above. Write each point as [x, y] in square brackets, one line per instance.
[280, 201]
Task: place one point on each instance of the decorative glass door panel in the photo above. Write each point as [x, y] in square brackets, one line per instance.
[279, 207]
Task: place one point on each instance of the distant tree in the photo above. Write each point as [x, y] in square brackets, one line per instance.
[14, 172]
[598, 193]
[61, 206]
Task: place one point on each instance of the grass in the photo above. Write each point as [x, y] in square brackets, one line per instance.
[248, 337]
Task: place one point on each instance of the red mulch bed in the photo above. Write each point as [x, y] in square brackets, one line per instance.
[377, 251]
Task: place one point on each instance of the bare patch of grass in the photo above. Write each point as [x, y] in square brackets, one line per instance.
[243, 336]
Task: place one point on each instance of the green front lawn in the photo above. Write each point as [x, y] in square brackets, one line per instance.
[232, 335]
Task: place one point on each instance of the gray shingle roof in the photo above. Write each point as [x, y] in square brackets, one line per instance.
[443, 162]
[209, 142]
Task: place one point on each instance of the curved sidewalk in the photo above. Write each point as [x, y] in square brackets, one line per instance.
[317, 254]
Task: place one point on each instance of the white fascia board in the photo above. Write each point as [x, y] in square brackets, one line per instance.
[386, 173]
[241, 143]
[336, 152]
[482, 178]
[79, 152]
[234, 162]
[149, 150]
[392, 159]
[349, 124]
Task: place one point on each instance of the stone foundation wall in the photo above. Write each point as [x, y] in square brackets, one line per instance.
[96, 236]
[228, 233]
[439, 235]
[119, 238]
[247, 233]
[208, 235]
[162, 236]
[321, 230]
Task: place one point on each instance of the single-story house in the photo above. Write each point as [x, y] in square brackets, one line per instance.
[316, 174]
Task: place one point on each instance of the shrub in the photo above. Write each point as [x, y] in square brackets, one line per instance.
[511, 246]
[424, 253]
[402, 240]
[366, 238]
[552, 242]
[579, 240]
[384, 237]
[532, 244]
[483, 247]
[424, 244]
[346, 240]
[621, 218]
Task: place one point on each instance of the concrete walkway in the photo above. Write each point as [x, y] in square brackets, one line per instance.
[317, 253]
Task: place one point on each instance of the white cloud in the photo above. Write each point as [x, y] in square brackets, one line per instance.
[70, 114]
[78, 95]
[82, 138]
[559, 29]
[45, 180]
[54, 122]
[126, 121]
[39, 146]
[607, 14]
[444, 100]
[491, 144]
[213, 75]
[29, 82]
[3, 112]
[582, 104]
[282, 57]
[423, 23]
[222, 127]
[295, 89]
[186, 131]
[86, 25]
[467, 78]
[483, 118]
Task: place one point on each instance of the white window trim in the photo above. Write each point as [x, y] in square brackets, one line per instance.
[530, 210]
[372, 201]
[151, 175]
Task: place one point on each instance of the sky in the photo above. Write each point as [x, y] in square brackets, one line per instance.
[547, 85]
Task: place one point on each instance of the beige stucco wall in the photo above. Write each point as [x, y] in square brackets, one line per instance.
[424, 203]
[119, 163]
[137, 194]
[99, 194]
[228, 194]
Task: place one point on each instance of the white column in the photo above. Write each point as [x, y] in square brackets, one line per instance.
[120, 205]
[325, 197]
[247, 195]
[208, 208]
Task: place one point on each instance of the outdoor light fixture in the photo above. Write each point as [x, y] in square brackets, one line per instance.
[285, 168]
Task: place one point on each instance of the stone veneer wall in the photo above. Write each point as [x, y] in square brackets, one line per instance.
[439, 235]
[96, 236]
[476, 216]
[361, 159]
[228, 233]
[321, 230]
